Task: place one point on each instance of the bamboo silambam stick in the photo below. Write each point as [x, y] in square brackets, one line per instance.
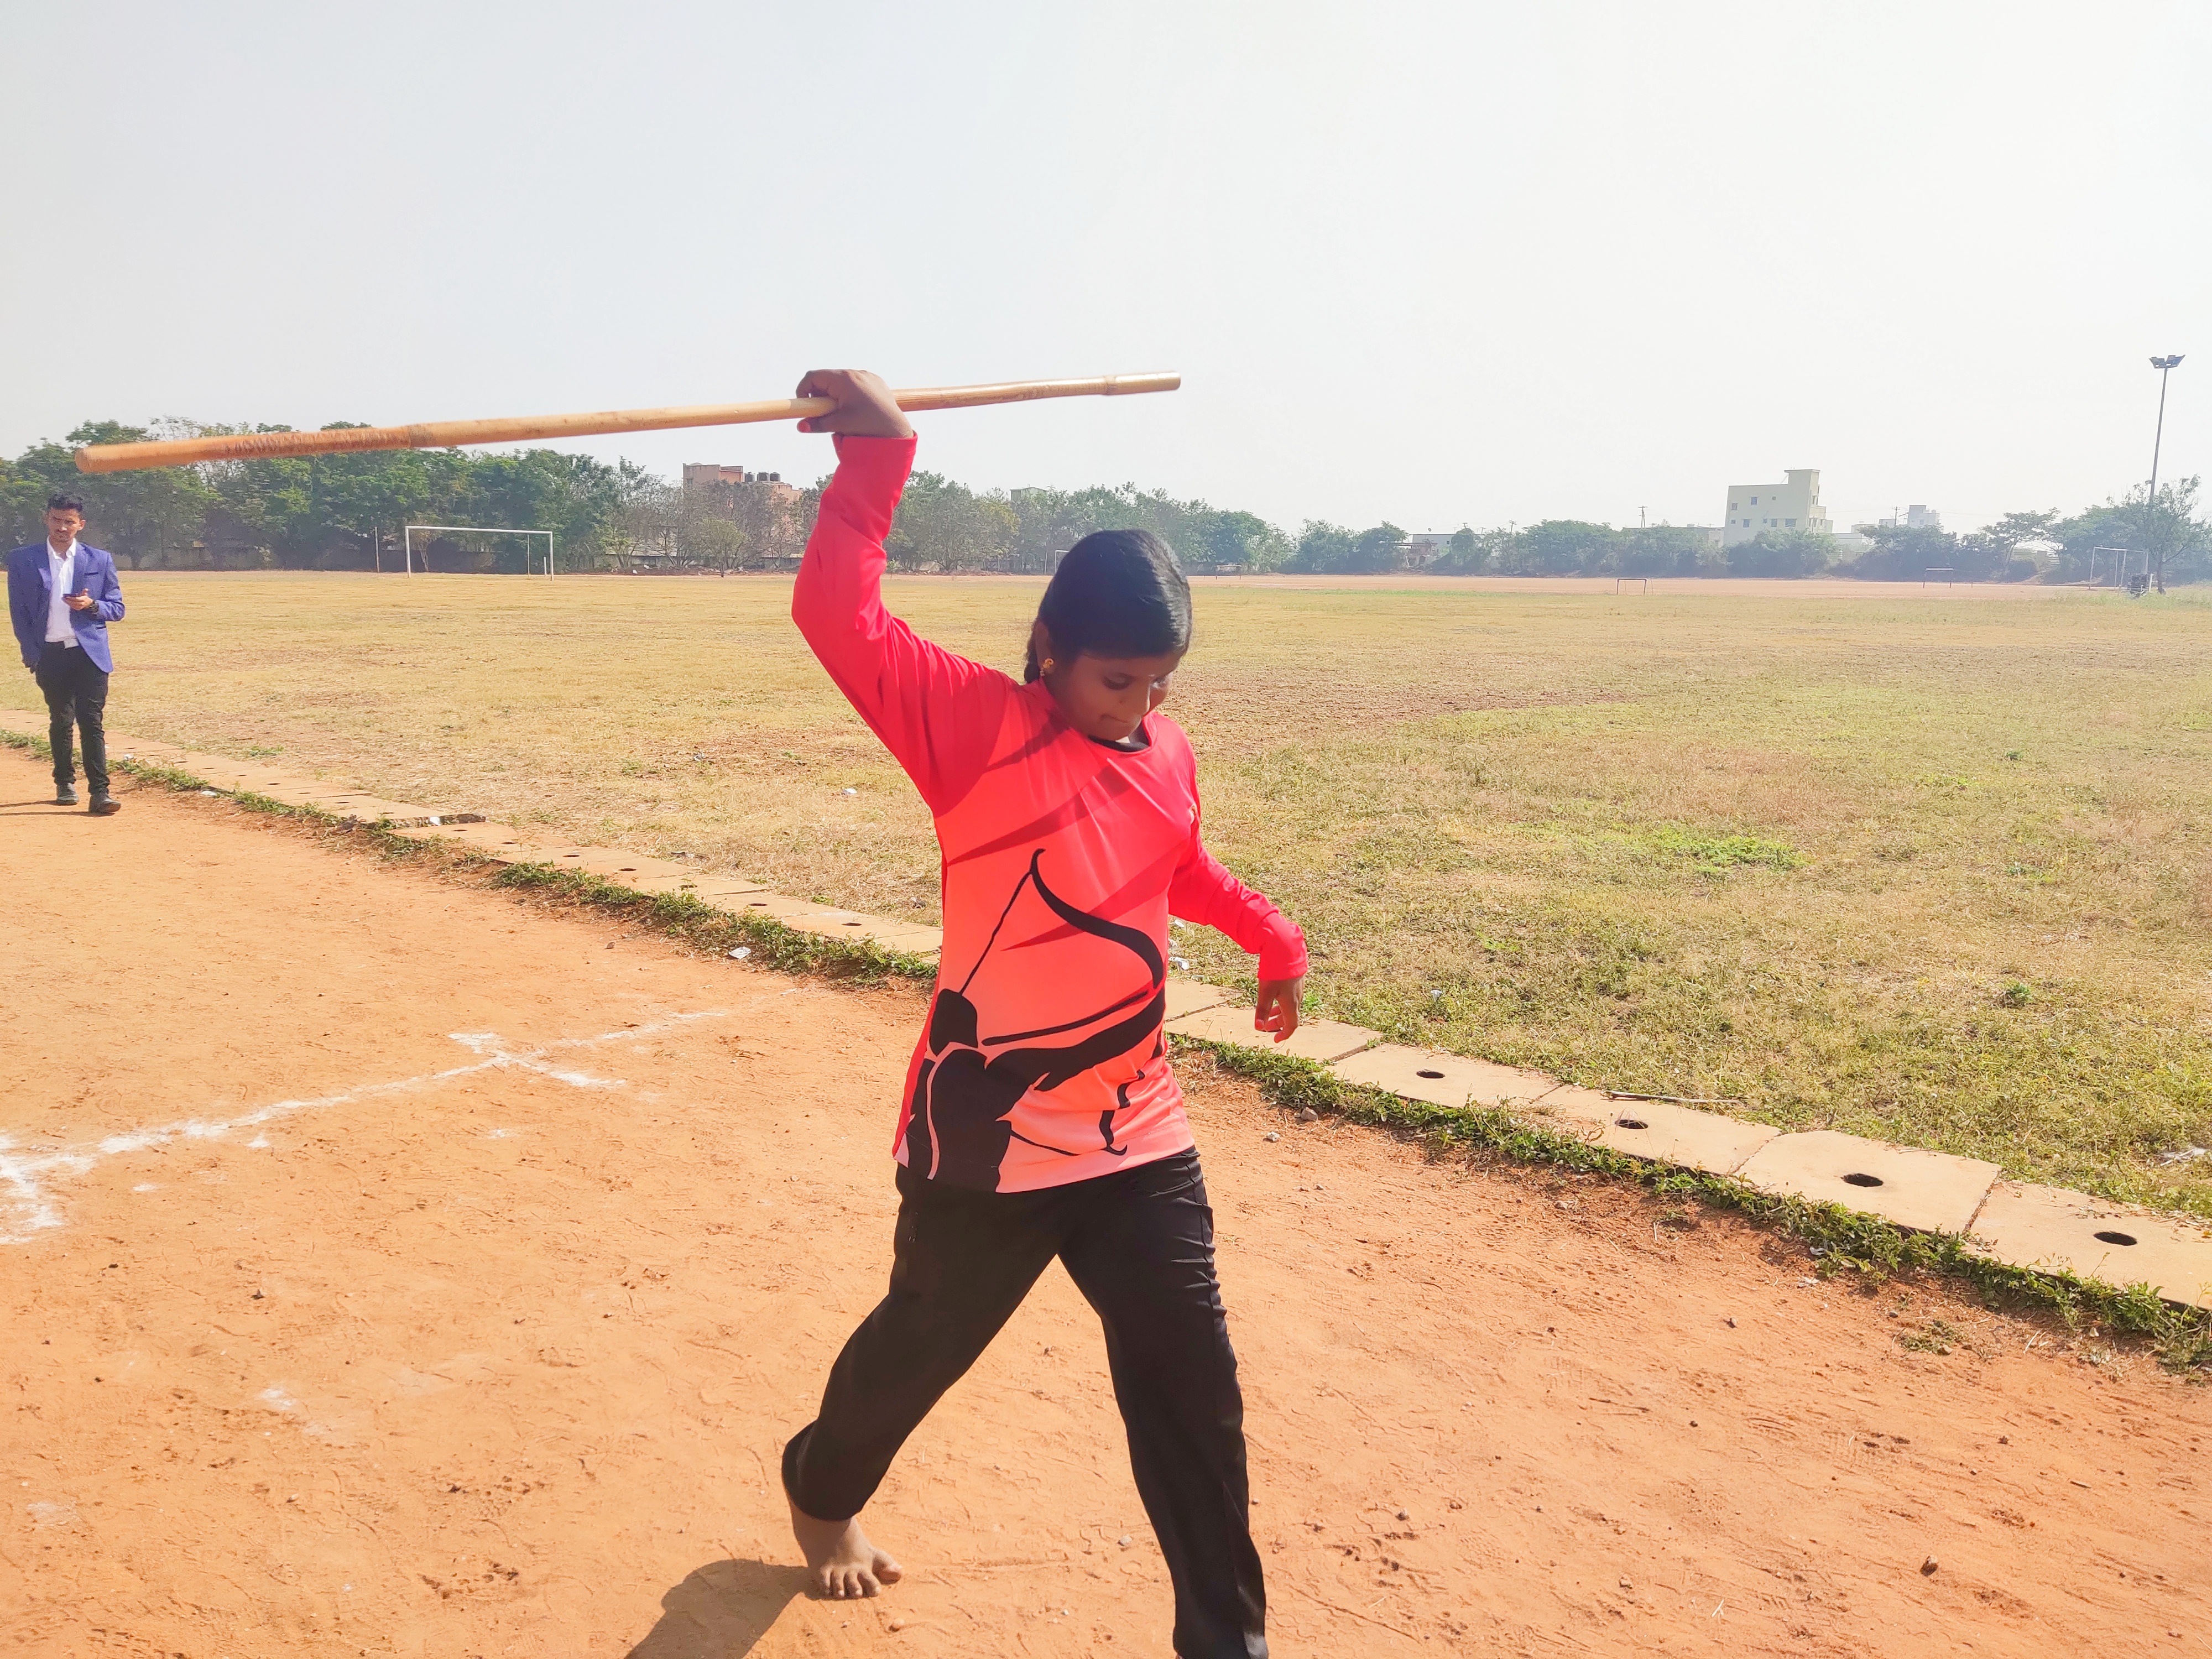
[440, 435]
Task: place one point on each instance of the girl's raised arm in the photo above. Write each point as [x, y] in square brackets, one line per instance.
[937, 713]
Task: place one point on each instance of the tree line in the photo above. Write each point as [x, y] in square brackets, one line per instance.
[325, 512]
[2128, 535]
[347, 512]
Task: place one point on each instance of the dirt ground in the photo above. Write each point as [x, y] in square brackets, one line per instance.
[393, 1267]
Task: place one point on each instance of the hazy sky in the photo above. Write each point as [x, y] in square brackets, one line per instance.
[1450, 263]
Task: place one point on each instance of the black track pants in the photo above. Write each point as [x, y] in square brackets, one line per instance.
[76, 696]
[1139, 1246]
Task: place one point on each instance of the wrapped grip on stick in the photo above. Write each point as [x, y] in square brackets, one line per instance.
[440, 435]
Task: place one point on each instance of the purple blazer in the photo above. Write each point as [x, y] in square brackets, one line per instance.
[28, 595]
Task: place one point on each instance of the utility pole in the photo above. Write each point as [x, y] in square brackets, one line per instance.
[2164, 366]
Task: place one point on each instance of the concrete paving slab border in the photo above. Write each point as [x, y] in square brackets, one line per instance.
[1426, 1075]
[832, 923]
[1931, 1192]
[700, 886]
[1188, 996]
[1658, 1129]
[1321, 1040]
[2051, 1229]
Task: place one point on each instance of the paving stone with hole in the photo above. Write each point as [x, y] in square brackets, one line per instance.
[242, 780]
[696, 886]
[1441, 1079]
[228, 774]
[1188, 996]
[369, 809]
[2025, 1225]
[468, 835]
[152, 750]
[497, 841]
[1486, 1082]
[1507, 1085]
[1932, 1192]
[927, 943]
[343, 803]
[1314, 1039]
[887, 931]
[1656, 1129]
[308, 789]
[611, 864]
[780, 907]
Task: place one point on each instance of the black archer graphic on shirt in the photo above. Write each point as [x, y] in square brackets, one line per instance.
[958, 1127]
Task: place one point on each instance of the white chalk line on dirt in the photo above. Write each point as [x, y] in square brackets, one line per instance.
[28, 1208]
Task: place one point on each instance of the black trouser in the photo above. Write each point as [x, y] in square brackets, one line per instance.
[77, 692]
[1139, 1244]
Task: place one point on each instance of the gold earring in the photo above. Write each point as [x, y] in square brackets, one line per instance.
[1047, 664]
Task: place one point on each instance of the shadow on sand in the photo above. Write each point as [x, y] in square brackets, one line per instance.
[721, 1611]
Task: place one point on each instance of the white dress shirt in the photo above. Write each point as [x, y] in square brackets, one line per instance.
[61, 572]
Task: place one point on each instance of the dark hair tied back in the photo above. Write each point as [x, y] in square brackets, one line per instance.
[1117, 593]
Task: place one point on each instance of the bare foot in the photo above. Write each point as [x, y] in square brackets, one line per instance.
[841, 1562]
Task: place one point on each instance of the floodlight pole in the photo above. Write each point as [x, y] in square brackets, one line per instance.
[2164, 366]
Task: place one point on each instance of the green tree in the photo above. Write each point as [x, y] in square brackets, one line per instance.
[1243, 538]
[947, 525]
[1322, 546]
[1782, 553]
[1663, 550]
[137, 516]
[1381, 549]
[1465, 553]
[715, 542]
[1904, 553]
[2173, 534]
[1560, 547]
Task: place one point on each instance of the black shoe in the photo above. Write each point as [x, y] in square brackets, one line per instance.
[65, 794]
[103, 805]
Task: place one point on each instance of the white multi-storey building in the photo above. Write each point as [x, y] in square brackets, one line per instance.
[1793, 504]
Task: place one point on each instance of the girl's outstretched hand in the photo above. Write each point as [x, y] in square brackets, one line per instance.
[865, 408]
[1278, 1009]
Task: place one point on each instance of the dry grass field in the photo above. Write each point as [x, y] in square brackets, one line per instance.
[1925, 865]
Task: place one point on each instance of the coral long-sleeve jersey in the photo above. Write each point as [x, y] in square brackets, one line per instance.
[1063, 857]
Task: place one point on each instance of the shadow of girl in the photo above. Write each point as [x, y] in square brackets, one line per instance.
[720, 1611]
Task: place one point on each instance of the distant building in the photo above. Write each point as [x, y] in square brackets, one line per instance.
[1424, 547]
[1917, 517]
[721, 484]
[1793, 504]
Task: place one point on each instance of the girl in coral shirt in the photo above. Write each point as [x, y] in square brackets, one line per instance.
[1040, 1116]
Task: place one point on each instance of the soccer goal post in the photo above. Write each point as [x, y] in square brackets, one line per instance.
[407, 539]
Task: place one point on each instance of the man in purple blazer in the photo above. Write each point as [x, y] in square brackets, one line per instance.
[61, 597]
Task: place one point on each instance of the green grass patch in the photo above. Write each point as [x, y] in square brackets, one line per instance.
[1719, 852]
[1936, 1336]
